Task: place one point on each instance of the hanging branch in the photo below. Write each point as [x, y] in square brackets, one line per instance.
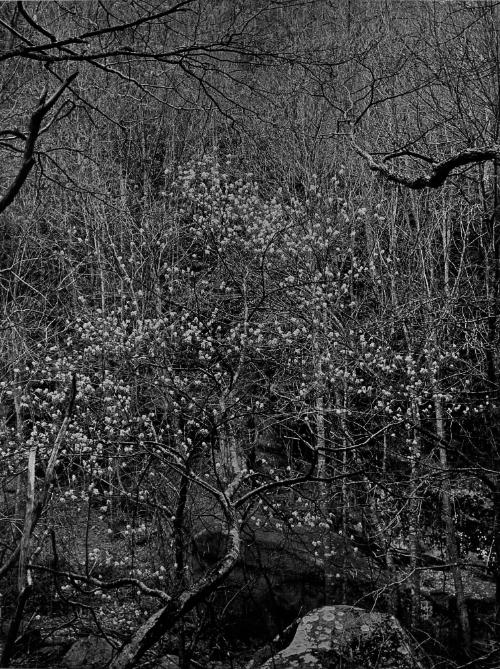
[440, 170]
[34, 131]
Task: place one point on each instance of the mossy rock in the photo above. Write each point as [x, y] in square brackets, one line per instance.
[349, 637]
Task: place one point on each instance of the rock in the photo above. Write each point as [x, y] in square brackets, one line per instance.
[168, 662]
[277, 578]
[90, 653]
[172, 662]
[347, 637]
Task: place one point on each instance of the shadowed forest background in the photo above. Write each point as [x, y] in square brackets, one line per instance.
[249, 322]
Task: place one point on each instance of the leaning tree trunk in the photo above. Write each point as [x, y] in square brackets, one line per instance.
[160, 622]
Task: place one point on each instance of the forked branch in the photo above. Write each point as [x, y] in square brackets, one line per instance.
[34, 130]
[439, 172]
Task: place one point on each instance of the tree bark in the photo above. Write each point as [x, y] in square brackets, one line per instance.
[496, 538]
[449, 525]
[164, 619]
[34, 131]
[414, 518]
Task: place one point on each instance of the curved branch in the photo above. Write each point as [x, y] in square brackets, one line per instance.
[33, 23]
[412, 154]
[166, 617]
[39, 50]
[34, 130]
[439, 172]
[105, 585]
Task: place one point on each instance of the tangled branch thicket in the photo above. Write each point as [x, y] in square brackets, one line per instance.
[222, 335]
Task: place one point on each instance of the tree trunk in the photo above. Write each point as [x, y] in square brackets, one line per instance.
[496, 538]
[414, 518]
[24, 583]
[341, 408]
[164, 619]
[449, 525]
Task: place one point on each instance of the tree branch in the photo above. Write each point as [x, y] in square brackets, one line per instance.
[34, 24]
[439, 172]
[161, 621]
[34, 128]
[105, 585]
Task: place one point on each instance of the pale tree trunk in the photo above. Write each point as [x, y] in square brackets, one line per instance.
[320, 436]
[446, 499]
[492, 349]
[230, 459]
[381, 533]
[325, 490]
[414, 516]
[33, 510]
[414, 438]
[341, 410]
[18, 506]
[24, 576]
[24, 579]
[20, 483]
[230, 452]
[126, 216]
[496, 539]
[25, 497]
[325, 499]
[490, 247]
[451, 541]
[182, 529]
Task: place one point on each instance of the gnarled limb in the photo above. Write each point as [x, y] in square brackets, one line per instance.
[166, 617]
[34, 130]
[440, 171]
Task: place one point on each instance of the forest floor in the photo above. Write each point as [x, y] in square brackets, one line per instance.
[85, 543]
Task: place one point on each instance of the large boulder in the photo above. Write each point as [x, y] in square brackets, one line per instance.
[279, 576]
[168, 662]
[347, 637]
[276, 578]
[88, 653]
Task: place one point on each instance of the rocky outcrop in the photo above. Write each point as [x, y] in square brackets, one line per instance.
[278, 577]
[275, 580]
[347, 637]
